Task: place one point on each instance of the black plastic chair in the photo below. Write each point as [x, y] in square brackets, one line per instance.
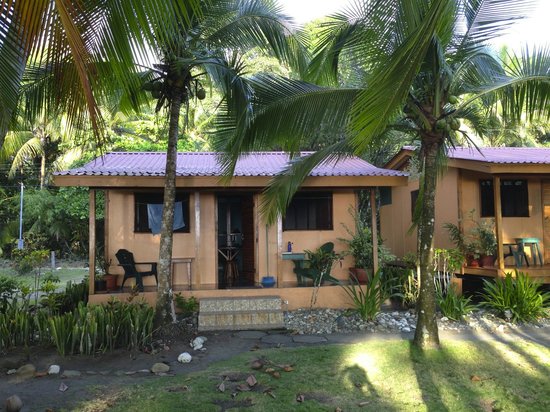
[126, 260]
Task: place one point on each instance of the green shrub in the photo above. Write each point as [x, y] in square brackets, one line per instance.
[9, 286]
[73, 294]
[89, 329]
[519, 298]
[186, 306]
[453, 305]
[25, 260]
[17, 325]
[368, 298]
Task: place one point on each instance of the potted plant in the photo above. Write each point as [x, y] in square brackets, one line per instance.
[487, 241]
[100, 285]
[103, 272]
[479, 245]
[360, 247]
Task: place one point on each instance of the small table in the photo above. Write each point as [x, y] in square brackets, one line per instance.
[299, 260]
[231, 266]
[188, 261]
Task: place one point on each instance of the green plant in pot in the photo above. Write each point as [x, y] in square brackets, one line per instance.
[485, 234]
[479, 245]
[360, 248]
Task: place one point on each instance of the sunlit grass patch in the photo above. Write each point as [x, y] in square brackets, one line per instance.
[392, 376]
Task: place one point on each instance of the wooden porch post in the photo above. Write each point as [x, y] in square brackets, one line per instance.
[279, 251]
[197, 268]
[374, 230]
[498, 224]
[92, 241]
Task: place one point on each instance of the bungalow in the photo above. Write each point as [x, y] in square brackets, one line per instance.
[222, 245]
[502, 187]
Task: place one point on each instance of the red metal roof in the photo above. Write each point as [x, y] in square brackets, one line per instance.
[207, 164]
[502, 155]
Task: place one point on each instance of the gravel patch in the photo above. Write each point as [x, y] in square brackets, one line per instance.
[327, 321]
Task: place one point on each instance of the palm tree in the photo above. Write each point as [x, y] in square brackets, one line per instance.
[67, 54]
[426, 67]
[207, 50]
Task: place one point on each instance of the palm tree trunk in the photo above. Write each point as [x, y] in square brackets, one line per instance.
[165, 312]
[42, 170]
[427, 335]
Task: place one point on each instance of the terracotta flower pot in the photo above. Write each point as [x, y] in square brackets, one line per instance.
[362, 275]
[111, 282]
[487, 261]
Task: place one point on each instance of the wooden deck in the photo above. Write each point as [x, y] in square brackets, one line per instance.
[541, 273]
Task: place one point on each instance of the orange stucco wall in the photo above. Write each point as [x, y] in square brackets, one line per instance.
[201, 245]
[396, 218]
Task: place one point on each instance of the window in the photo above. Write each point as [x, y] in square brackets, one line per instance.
[385, 196]
[514, 197]
[148, 204]
[309, 211]
[414, 198]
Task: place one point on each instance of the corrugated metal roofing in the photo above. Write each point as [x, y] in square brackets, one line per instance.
[207, 164]
[506, 155]
[502, 155]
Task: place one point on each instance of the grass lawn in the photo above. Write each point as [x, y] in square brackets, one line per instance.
[65, 274]
[374, 376]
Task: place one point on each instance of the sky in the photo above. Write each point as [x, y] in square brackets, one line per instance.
[533, 30]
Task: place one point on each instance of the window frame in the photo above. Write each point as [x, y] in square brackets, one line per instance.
[140, 198]
[414, 198]
[302, 197]
[507, 196]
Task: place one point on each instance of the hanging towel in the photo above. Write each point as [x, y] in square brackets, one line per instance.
[154, 214]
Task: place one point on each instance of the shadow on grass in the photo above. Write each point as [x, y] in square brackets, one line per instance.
[429, 389]
[357, 376]
[497, 375]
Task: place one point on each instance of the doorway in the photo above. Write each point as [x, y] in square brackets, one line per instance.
[236, 265]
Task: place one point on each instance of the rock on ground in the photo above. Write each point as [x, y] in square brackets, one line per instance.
[160, 368]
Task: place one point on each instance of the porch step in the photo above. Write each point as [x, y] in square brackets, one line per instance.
[241, 313]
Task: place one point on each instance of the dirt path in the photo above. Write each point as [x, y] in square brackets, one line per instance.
[111, 370]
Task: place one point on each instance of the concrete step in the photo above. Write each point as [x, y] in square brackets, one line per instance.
[240, 313]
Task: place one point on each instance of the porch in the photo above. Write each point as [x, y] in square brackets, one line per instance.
[540, 273]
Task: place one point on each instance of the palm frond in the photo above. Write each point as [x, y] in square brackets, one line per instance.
[365, 31]
[285, 113]
[13, 142]
[485, 20]
[253, 23]
[392, 79]
[30, 149]
[281, 189]
[69, 40]
[524, 89]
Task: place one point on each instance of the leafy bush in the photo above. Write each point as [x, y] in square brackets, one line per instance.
[400, 283]
[16, 324]
[519, 298]
[453, 305]
[186, 306]
[368, 298]
[74, 294]
[360, 243]
[25, 260]
[9, 286]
